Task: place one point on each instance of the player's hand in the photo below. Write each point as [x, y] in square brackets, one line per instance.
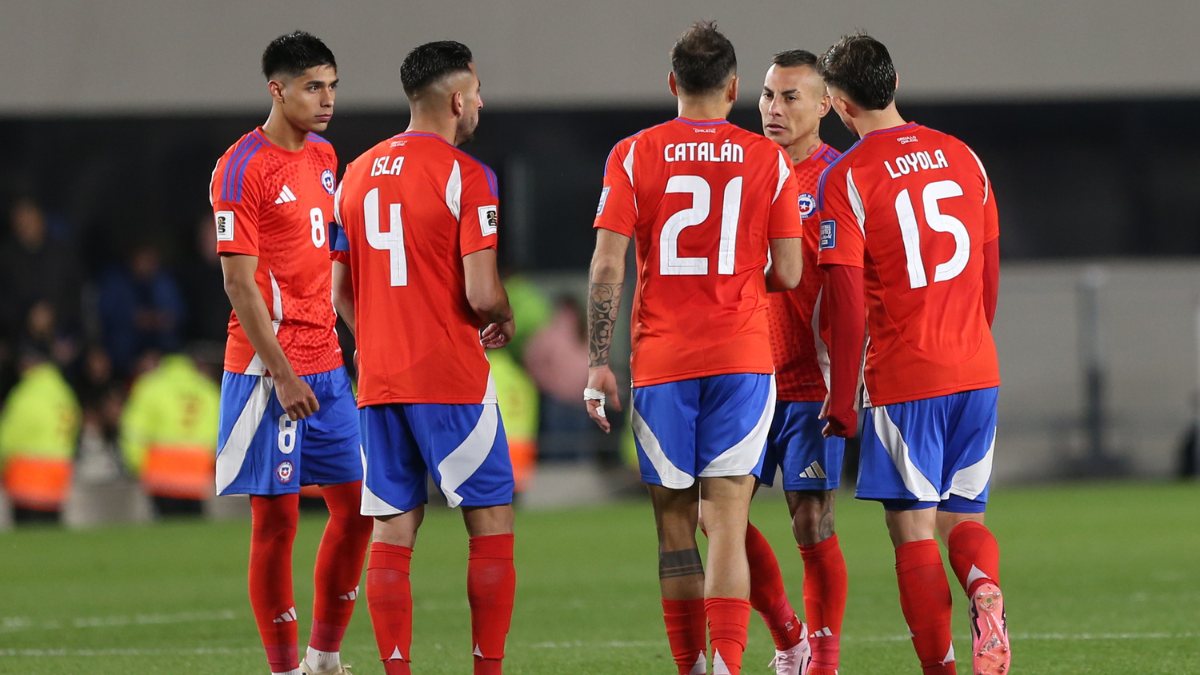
[840, 424]
[601, 379]
[497, 335]
[296, 397]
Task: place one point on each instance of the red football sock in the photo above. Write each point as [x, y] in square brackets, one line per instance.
[974, 555]
[491, 583]
[686, 632]
[728, 620]
[925, 601]
[767, 594]
[389, 600]
[824, 602]
[339, 565]
[272, 531]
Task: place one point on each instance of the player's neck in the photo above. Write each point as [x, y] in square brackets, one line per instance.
[446, 128]
[804, 147]
[873, 120]
[708, 108]
[282, 133]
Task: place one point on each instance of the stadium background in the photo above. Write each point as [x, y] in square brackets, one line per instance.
[1084, 113]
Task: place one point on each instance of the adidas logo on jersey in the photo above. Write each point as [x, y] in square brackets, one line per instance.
[285, 196]
[813, 471]
[287, 616]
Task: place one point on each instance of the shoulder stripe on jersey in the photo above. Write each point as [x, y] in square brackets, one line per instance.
[614, 149]
[241, 174]
[454, 191]
[493, 184]
[821, 181]
[785, 170]
[986, 183]
[236, 166]
[856, 202]
[628, 163]
[317, 139]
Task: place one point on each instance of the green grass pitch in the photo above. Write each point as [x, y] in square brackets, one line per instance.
[1098, 579]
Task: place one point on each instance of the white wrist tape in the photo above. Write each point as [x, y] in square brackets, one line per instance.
[596, 395]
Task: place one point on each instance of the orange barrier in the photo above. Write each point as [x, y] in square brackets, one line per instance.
[179, 472]
[524, 462]
[36, 483]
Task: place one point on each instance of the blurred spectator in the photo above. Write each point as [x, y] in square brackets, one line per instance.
[141, 308]
[41, 284]
[518, 400]
[556, 358]
[169, 434]
[38, 430]
[102, 399]
[204, 288]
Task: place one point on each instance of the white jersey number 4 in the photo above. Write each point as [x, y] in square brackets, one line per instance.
[670, 263]
[938, 222]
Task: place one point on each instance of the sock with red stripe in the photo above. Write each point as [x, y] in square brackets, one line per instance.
[491, 584]
[272, 531]
[389, 599]
[925, 601]
[339, 565]
[767, 594]
[728, 620]
[974, 555]
[686, 632]
[825, 588]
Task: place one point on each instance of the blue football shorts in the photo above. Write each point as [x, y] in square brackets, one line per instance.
[932, 452]
[462, 446]
[808, 460]
[262, 452]
[703, 427]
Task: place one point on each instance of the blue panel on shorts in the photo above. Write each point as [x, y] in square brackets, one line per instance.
[268, 454]
[462, 446]
[809, 460]
[936, 450]
[708, 426]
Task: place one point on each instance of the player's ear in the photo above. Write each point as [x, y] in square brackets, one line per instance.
[457, 103]
[731, 91]
[276, 89]
[824, 104]
[671, 84]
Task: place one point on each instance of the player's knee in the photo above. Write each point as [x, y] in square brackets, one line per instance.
[812, 516]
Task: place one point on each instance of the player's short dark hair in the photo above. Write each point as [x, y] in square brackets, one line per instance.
[702, 59]
[431, 62]
[861, 67]
[794, 58]
[294, 53]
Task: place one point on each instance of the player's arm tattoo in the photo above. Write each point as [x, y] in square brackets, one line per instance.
[673, 564]
[604, 301]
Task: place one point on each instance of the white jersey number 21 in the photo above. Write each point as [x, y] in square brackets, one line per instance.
[668, 245]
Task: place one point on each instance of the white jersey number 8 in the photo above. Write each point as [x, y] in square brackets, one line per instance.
[731, 207]
[938, 222]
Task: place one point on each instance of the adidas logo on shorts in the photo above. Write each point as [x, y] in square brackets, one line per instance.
[814, 470]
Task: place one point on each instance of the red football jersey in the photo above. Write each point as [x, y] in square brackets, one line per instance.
[700, 199]
[408, 210]
[797, 338]
[913, 208]
[274, 204]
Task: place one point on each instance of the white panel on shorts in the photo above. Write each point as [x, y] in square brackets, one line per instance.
[969, 482]
[741, 459]
[372, 504]
[670, 475]
[233, 455]
[893, 442]
[466, 459]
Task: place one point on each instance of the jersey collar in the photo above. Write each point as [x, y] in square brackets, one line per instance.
[891, 130]
[701, 123]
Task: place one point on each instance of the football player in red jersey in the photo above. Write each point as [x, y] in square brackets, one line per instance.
[792, 104]
[704, 201]
[287, 411]
[415, 277]
[910, 233]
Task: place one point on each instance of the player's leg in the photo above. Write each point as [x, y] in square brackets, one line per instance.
[332, 460]
[681, 575]
[974, 553]
[902, 445]
[257, 456]
[812, 468]
[767, 593]
[734, 422]
[394, 493]
[467, 452]
[664, 429]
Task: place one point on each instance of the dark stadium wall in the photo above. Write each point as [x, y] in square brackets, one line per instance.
[1073, 179]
